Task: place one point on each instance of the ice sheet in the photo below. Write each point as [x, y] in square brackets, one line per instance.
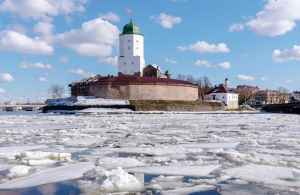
[51, 175]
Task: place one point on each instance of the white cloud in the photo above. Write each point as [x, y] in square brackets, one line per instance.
[204, 47]
[277, 18]
[243, 77]
[236, 27]
[6, 77]
[38, 65]
[18, 42]
[204, 63]
[43, 79]
[41, 9]
[287, 54]
[45, 29]
[167, 21]
[170, 61]
[95, 38]
[110, 16]
[224, 65]
[82, 73]
[112, 60]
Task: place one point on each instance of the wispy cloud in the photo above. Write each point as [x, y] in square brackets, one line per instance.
[204, 47]
[166, 20]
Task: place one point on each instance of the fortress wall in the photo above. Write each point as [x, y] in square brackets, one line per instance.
[144, 92]
[163, 92]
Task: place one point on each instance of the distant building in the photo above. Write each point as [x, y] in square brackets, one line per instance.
[264, 97]
[134, 80]
[295, 96]
[223, 94]
[252, 89]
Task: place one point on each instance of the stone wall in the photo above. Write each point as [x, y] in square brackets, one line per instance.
[143, 91]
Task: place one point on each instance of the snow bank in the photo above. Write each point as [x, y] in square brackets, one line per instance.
[195, 171]
[99, 101]
[51, 175]
[82, 101]
[103, 110]
[282, 176]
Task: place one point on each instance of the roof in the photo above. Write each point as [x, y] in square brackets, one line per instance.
[219, 89]
[130, 29]
[132, 80]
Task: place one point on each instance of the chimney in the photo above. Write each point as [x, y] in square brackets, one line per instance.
[226, 83]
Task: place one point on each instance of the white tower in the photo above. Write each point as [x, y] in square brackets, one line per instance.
[131, 58]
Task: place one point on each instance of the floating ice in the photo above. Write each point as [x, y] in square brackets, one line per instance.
[50, 175]
[19, 171]
[38, 155]
[113, 163]
[196, 171]
[4, 167]
[116, 180]
[188, 190]
[11, 151]
[282, 176]
[119, 180]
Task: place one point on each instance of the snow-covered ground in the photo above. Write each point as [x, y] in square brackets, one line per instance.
[165, 153]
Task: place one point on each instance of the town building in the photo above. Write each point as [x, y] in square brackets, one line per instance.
[295, 96]
[264, 97]
[223, 94]
[135, 80]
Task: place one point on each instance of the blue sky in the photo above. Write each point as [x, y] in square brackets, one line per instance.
[50, 42]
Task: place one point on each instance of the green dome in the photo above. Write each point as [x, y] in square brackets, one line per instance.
[130, 29]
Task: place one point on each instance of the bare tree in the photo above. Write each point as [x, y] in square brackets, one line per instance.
[283, 95]
[56, 91]
[204, 84]
[246, 93]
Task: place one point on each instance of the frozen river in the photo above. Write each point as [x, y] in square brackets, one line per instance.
[204, 154]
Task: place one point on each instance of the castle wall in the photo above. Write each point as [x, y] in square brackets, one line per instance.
[142, 92]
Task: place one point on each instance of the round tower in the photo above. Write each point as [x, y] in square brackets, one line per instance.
[131, 58]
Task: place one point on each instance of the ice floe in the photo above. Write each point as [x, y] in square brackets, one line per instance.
[19, 171]
[282, 176]
[196, 171]
[50, 175]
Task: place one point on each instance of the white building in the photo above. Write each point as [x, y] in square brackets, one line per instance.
[222, 94]
[131, 59]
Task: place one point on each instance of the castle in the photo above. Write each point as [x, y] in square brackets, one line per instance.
[135, 80]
